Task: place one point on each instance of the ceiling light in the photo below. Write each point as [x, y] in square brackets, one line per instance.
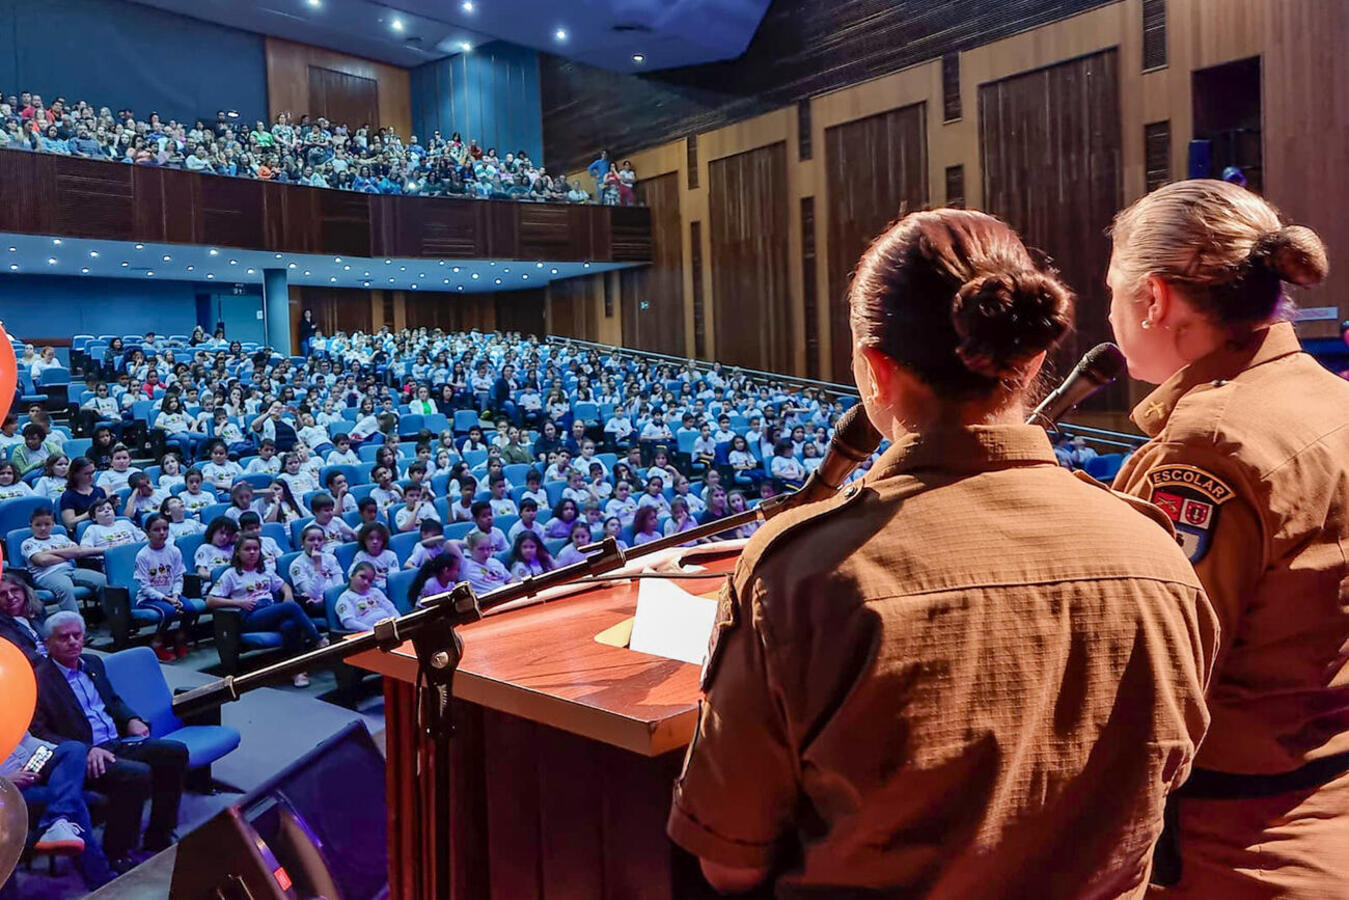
[125, 264]
[56, 242]
[475, 275]
[232, 114]
[306, 272]
[402, 268]
[414, 287]
[215, 252]
[84, 271]
[168, 258]
[421, 274]
[467, 6]
[498, 281]
[314, 3]
[51, 260]
[466, 46]
[191, 268]
[15, 250]
[234, 262]
[442, 262]
[396, 24]
[14, 267]
[387, 261]
[554, 271]
[585, 265]
[365, 283]
[538, 265]
[492, 264]
[140, 246]
[337, 259]
[250, 271]
[455, 269]
[390, 281]
[525, 277]
[210, 275]
[291, 266]
[459, 288]
[278, 256]
[93, 254]
[346, 268]
[333, 279]
[149, 273]
[560, 34]
[447, 281]
[638, 58]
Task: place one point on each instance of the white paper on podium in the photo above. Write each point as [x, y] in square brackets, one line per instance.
[671, 622]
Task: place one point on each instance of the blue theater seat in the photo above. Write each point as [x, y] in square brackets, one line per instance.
[136, 675]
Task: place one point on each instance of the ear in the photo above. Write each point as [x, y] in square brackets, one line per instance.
[1158, 301]
[879, 369]
[1033, 367]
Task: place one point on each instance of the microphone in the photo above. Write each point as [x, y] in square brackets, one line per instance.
[1098, 368]
[855, 439]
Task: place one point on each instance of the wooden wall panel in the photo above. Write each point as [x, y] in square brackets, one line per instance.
[521, 311]
[1051, 145]
[653, 296]
[877, 171]
[90, 202]
[343, 98]
[450, 311]
[335, 309]
[575, 307]
[751, 304]
[799, 50]
[288, 84]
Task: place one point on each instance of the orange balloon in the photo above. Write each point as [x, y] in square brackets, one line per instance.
[19, 688]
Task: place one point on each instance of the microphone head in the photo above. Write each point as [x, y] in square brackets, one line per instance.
[1102, 363]
[854, 435]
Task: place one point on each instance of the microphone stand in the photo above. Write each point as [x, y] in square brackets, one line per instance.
[439, 649]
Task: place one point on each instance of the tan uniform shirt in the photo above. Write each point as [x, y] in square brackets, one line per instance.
[973, 675]
[1250, 457]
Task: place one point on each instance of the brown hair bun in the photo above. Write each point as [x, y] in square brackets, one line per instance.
[1295, 253]
[1005, 318]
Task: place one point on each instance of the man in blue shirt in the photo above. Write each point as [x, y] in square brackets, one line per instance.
[598, 169]
[76, 702]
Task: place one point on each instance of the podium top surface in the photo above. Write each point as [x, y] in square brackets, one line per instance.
[542, 663]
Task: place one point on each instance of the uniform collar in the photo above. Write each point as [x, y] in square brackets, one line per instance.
[973, 448]
[1228, 361]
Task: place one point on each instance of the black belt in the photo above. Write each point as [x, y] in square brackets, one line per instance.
[1207, 784]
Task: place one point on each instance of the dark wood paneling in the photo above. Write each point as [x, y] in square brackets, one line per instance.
[805, 140]
[1156, 154]
[653, 296]
[809, 288]
[336, 309]
[802, 48]
[450, 311]
[572, 308]
[342, 97]
[950, 87]
[747, 203]
[57, 195]
[521, 311]
[1051, 147]
[1154, 33]
[955, 186]
[877, 171]
[699, 306]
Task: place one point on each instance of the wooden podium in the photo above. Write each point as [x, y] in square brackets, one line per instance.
[564, 756]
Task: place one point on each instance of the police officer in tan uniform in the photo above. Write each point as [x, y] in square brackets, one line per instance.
[971, 674]
[1250, 443]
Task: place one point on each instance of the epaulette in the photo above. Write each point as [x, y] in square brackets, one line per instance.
[777, 532]
[1137, 503]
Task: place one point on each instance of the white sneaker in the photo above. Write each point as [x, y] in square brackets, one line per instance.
[301, 680]
[62, 836]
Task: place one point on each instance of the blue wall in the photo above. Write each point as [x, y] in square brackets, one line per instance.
[50, 306]
[491, 94]
[119, 54]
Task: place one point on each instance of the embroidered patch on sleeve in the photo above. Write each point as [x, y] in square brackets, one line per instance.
[727, 618]
[1191, 499]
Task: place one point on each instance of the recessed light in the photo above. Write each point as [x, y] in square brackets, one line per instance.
[168, 258]
[402, 268]
[314, 3]
[291, 266]
[507, 271]
[125, 264]
[346, 268]
[140, 246]
[447, 281]
[232, 114]
[306, 272]
[538, 265]
[337, 259]
[560, 34]
[414, 287]
[84, 271]
[525, 277]
[455, 269]
[210, 274]
[467, 6]
[14, 267]
[396, 24]
[149, 273]
[13, 249]
[51, 260]
[56, 242]
[466, 46]
[234, 262]
[498, 281]
[390, 281]
[365, 283]
[250, 271]
[459, 288]
[278, 256]
[475, 275]
[554, 271]
[421, 274]
[192, 268]
[442, 262]
[333, 279]
[215, 252]
[585, 265]
[638, 58]
[387, 261]
[93, 254]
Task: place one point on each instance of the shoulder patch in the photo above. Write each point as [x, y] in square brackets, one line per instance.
[1191, 499]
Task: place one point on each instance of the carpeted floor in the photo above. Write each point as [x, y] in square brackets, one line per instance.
[277, 725]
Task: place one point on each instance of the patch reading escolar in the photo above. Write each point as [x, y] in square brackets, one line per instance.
[1190, 498]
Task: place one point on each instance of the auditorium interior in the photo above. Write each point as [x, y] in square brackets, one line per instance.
[364, 281]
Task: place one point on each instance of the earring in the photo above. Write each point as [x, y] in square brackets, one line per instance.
[1146, 324]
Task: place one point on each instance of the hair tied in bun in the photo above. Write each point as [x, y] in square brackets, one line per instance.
[1294, 253]
[1003, 319]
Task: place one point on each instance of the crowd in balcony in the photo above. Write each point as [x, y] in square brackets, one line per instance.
[308, 151]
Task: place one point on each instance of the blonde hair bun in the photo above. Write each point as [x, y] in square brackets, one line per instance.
[1295, 253]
